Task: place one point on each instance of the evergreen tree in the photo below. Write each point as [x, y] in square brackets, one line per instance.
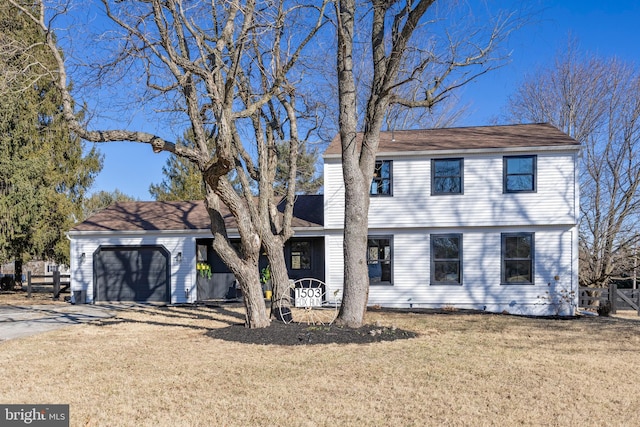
[183, 180]
[43, 171]
[307, 179]
[103, 199]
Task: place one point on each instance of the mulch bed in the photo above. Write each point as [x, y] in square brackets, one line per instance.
[302, 334]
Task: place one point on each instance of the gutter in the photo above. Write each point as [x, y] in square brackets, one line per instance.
[233, 233]
[458, 151]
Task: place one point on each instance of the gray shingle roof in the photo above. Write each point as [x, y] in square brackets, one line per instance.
[479, 137]
[179, 216]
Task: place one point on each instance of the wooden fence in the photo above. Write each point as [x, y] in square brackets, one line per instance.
[616, 299]
[59, 283]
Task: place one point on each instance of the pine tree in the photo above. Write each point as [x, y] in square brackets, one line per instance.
[43, 171]
[103, 199]
[183, 181]
[307, 179]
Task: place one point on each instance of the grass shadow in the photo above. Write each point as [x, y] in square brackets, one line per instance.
[173, 316]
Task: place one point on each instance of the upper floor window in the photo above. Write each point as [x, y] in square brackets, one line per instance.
[379, 259]
[446, 176]
[446, 259]
[517, 258]
[381, 184]
[300, 255]
[519, 174]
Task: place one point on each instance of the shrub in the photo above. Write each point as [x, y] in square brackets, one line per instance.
[7, 283]
[604, 309]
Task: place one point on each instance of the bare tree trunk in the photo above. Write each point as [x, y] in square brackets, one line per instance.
[17, 271]
[356, 278]
[245, 267]
[279, 276]
[256, 313]
[356, 274]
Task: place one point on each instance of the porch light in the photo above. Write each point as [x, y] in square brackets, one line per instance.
[179, 257]
[82, 257]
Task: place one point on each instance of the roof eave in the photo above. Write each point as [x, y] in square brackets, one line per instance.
[233, 232]
[81, 233]
[458, 151]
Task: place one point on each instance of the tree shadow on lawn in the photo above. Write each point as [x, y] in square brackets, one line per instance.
[605, 328]
[176, 315]
[278, 333]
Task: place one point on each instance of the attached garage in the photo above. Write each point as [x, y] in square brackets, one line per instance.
[151, 252]
[132, 274]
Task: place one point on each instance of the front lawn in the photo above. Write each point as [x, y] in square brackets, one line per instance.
[186, 366]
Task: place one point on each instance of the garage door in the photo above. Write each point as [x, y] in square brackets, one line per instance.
[132, 273]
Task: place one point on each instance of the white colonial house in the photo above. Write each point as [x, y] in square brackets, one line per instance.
[478, 217]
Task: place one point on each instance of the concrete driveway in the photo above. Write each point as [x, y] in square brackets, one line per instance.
[24, 320]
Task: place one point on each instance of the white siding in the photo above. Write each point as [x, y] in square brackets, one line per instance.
[482, 204]
[480, 214]
[334, 264]
[333, 195]
[182, 273]
[481, 270]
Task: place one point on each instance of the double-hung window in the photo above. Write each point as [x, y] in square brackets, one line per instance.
[379, 259]
[517, 258]
[446, 176]
[382, 178]
[519, 174]
[446, 259]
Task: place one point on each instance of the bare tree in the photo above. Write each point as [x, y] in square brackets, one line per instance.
[596, 101]
[223, 66]
[405, 58]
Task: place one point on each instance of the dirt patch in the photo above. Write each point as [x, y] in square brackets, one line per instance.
[302, 334]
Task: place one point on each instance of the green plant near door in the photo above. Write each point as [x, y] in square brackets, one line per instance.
[265, 275]
[204, 269]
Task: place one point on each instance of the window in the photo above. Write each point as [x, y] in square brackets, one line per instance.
[446, 259]
[300, 255]
[446, 176]
[381, 184]
[517, 258]
[202, 252]
[519, 174]
[379, 260]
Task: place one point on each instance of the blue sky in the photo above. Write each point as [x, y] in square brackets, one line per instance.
[604, 28]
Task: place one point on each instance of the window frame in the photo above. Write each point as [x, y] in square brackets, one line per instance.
[309, 254]
[380, 180]
[390, 261]
[504, 259]
[433, 260]
[506, 174]
[434, 177]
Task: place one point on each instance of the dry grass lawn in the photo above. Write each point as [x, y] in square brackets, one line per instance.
[158, 367]
[20, 298]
